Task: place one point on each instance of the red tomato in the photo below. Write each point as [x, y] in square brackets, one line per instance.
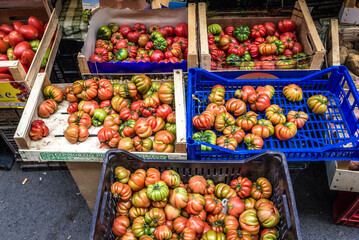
[125, 30]
[170, 30]
[157, 56]
[3, 57]
[15, 38]
[6, 77]
[96, 58]
[181, 30]
[3, 46]
[25, 67]
[17, 25]
[133, 36]
[20, 48]
[6, 28]
[2, 34]
[29, 32]
[286, 25]
[173, 60]
[288, 53]
[38, 24]
[270, 28]
[297, 48]
[27, 56]
[163, 111]
[6, 39]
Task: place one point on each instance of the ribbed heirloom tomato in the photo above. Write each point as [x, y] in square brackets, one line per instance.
[261, 188]
[242, 186]
[212, 204]
[204, 121]
[247, 121]
[47, 107]
[298, 118]
[53, 92]
[179, 197]
[236, 106]
[263, 129]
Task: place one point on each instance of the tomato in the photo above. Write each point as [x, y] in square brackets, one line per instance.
[248, 221]
[162, 233]
[234, 132]
[157, 56]
[270, 39]
[38, 130]
[247, 121]
[224, 191]
[143, 128]
[270, 28]
[85, 90]
[102, 52]
[163, 111]
[6, 28]
[261, 188]
[215, 109]
[142, 145]
[260, 201]
[95, 58]
[112, 121]
[99, 116]
[259, 102]
[268, 215]
[53, 92]
[140, 227]
[181, 30]
[269, 233]
[126, 143]
[38, 24]
[216, 221]
[123, 207]
[298, 118]
[156, 124]
[235, 206]
[165, 93]
[20, 48]
[318, 104]
[137, 180]
[253, 142]
[236, 106]
[27, 57]
[197, 184]
[75, 133]
[275, 114]
[263, 129]
[120, 225]
[155, 217]
[15, 38]
[285, 131]
[244, 93]
[258, 31]
[72, 108]
[47, 107]
[196, 224]
[226, 142]
[4, 57]
[179, 198]
[217, 95]
[222, 121]
[171, 178]
[142, 82]
[106, 105]
[129, 235]
[118, 103]
[29, 32]
[136, 212]
[175, 49]
[79, 118]
[293, 93]
[179, 224]
[157, 191]
[297, 48]
[203, 121]
[122, 175]
[238, 235]
[212, 204]
[212, 235]
[267, 89]
[267, 49]
[286, 25]
[249, 202]
[195, 203]
[88, 106]
[171, 212]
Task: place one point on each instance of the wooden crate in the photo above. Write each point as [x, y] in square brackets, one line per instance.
[349, 13]
[307, 33]
[56, 148]
[18, 72]
[340, 178]
[192, 56]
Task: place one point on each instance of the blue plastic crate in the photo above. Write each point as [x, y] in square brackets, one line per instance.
[331, 136]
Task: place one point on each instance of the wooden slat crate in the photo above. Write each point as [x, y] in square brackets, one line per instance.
[17, 71]
[55, 147]
[192, 56]
[340, 178]
[349, 13]
[306, 32]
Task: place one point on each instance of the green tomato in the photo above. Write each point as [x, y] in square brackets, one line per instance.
[160, 44]
[246, 56]
[155, 35]
[35, 44]
[121, 54]
[99, 116]
[233, 60]
[113, 27]
[104, 33]
[171, 127]
[214, 29]
[241, 33]
[246, 65]
[284, 62]
[9, 53]
[280, 47]
[217, 39]
[157, 191]
[207, 136]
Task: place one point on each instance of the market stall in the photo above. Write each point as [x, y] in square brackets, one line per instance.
[179, 123]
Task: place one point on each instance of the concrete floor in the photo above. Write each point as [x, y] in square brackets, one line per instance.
[49, 206]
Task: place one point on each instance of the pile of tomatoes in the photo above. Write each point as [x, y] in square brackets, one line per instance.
[262, 47]
[118, 108]
[125, 44]
[220, 115]
[151, 205]
[20, 41]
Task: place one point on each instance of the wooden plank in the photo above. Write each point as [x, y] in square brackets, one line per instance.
[83, 65]
[16, 69]
[45, 42]
[9, 15]
[181, 144]
[340, 178]
[87, 177]
[192, 54]
[335, 42]
[53, 53]
[21, 136]
[205, 57]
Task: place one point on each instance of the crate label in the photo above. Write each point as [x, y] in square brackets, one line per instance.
[13, 94]
[84, 157]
